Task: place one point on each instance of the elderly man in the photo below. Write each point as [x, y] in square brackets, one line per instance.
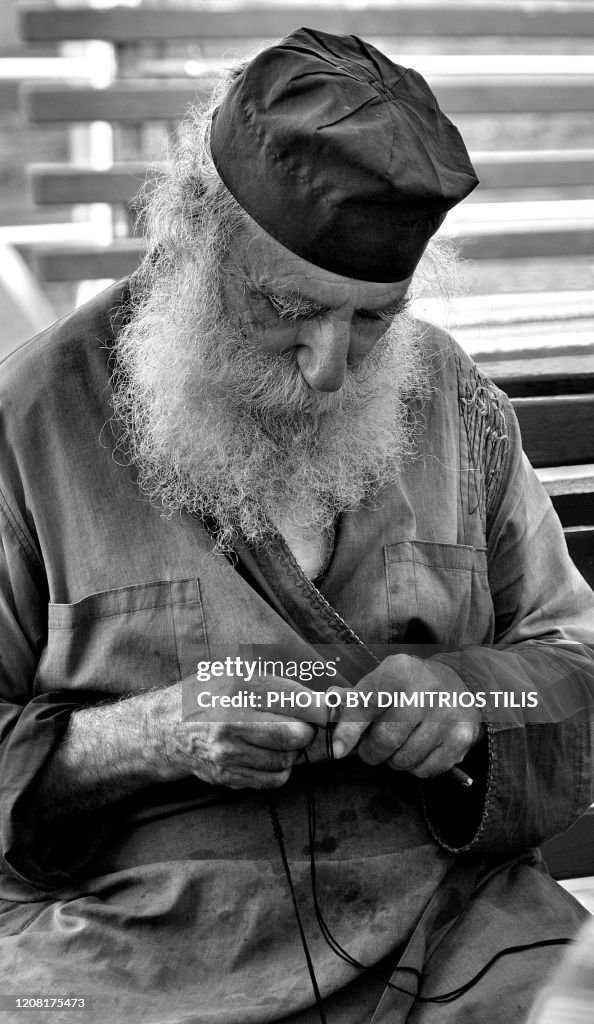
[253, 441]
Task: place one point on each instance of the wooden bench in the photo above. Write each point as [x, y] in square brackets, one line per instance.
[152, 84]
[163, 59]
[554, 400]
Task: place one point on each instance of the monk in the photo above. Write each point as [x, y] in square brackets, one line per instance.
[253, 443]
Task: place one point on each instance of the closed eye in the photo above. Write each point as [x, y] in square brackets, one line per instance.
[295, 308]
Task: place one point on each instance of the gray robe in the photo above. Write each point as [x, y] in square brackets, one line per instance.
[173, 906]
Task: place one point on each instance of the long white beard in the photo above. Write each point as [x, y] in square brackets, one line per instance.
[218, 428]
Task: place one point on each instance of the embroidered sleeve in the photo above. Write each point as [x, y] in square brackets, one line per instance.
[534, 776]
[482, 410]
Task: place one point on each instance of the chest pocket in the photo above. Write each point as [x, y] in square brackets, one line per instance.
[438, 593]
[124, 640]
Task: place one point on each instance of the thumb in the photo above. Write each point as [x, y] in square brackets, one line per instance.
[292, 699]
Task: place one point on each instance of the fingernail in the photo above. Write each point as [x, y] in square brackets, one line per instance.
[338, 748]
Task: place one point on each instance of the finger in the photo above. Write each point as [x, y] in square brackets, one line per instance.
[270, 780]
[243, 778]
[451, 752]
[275, 732]
[438, 762]
[318, 749]
[249, 756]
[388, 734]
[421, 742]
[351, 721]
[355, 720]
[290, 699]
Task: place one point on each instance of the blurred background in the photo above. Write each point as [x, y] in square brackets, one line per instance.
[548, 296]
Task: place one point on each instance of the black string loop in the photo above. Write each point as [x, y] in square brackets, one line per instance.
[332, 942]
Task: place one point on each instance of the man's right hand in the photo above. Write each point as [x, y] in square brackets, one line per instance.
[236, 747]
[111, 750]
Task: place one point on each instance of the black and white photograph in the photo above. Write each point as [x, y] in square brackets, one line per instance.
[296, 512]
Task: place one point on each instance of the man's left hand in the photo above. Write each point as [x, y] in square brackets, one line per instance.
[424, 740]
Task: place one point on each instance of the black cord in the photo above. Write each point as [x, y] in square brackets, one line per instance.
[278, 834]
[337, 949]
[449, 997]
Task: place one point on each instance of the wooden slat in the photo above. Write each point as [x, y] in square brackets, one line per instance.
[63, 263]
[124, 103]
[523, 240]
[505, 309]
[526, 339]
[9, 95]
[68, 183]
[473, 17]
[535, 169]
[88, 262]
[508, 94]
[152, 100]
[557, 431]
[568, 480]
[543, 375]
[571, 855]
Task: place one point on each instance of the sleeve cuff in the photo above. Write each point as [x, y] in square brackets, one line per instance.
[457, 815]
[528, 788]
[43, 859]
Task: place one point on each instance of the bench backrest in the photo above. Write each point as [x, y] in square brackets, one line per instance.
[163, 60]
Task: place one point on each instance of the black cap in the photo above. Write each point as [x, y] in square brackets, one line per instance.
[342, 156]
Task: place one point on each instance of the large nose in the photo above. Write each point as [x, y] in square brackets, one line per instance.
[323, 351]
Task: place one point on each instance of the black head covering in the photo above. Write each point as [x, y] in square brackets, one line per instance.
[342, 156]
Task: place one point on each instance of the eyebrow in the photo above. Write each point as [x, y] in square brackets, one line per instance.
[298, 299]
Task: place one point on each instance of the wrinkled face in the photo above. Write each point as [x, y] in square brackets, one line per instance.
[265, 386]
[285, 304]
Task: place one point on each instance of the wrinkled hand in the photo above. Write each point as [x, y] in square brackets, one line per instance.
[423, 740]
[237, 747]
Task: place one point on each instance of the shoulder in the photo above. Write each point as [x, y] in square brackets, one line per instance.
[452, 368]
[65, 363]
[66, 344]
[459, 383]
[55, 398]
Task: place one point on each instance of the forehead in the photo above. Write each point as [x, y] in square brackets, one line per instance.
[272, 268]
